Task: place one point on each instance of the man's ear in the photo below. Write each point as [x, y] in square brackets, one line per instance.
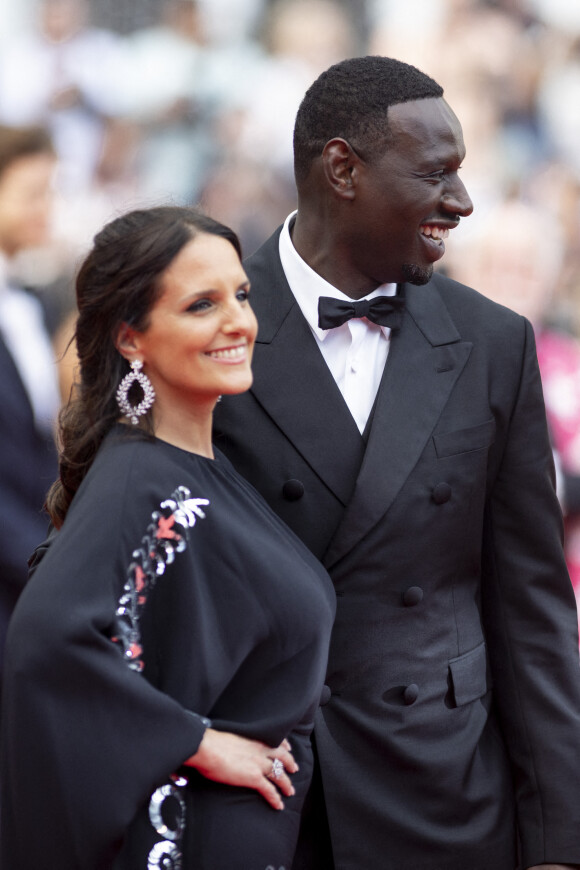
[127, 342]
[340, 164]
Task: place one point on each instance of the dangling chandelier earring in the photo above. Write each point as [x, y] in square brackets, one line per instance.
[133, 412]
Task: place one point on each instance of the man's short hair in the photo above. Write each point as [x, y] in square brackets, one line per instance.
[350, 100]
[17, 142]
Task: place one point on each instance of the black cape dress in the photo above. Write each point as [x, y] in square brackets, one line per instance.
[171, 598]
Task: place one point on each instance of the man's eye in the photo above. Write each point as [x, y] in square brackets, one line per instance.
[442, 173]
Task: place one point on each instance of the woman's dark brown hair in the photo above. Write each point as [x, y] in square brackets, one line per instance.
[119, 282]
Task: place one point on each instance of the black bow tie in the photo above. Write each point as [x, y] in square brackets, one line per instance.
[384, 310]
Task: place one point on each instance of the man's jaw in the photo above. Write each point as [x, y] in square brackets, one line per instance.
[414, 274]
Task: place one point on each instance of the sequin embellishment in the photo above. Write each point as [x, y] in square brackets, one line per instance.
[167, 815]
[162, 540]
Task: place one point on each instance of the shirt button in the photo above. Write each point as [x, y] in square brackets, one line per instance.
[441, 493]
[411, 694]
[325, 695]
[412, 596]
[293, 490]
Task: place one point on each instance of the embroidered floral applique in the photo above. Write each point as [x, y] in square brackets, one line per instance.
[163, 539]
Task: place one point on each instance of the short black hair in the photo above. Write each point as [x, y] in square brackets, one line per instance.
[350, 100]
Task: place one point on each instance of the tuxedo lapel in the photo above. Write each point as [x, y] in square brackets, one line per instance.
[425, 359]
[294, 385]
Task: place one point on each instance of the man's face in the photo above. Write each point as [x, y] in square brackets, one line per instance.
[410, 196]
[25, 202]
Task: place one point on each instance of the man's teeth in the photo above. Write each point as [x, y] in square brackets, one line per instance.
[437, 233]
[229, 353]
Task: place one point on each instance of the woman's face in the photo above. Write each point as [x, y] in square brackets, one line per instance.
[199, 341]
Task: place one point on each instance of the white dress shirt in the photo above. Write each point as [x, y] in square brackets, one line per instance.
[355, 352]
[25, 336]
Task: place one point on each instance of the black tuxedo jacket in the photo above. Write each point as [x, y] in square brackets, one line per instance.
[451, 717]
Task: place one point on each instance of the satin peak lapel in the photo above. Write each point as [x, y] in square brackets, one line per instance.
[425, 359]
[294, 385]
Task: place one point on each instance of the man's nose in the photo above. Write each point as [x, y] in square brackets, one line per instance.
[458, 200]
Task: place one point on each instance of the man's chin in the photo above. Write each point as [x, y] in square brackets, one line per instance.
[417, 274]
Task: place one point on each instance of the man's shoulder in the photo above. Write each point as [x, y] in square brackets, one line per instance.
[460, 295]
[470, 307]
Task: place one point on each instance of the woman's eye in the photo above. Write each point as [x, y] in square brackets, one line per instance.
[200, 305]
[242, 295]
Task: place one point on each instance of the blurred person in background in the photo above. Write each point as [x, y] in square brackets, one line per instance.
[173, 109]
[558, 90]
[29, 397]
[67, 76]
[554, 188]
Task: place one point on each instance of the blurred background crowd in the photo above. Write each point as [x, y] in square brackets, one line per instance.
[193, 101]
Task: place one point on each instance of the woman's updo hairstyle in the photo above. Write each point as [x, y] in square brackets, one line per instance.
[118, 282]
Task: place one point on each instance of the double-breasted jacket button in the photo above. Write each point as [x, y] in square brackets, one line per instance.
[412, 596]
[441, 493]
[325, 695]
[411, 694]
[293, 490]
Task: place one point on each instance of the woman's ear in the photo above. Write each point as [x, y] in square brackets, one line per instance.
[127, 342]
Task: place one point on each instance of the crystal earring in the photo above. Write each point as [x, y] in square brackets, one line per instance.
[133, 412]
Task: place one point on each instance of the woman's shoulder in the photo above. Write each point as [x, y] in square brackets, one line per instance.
[135, 474]
[131, 474]
[127, 452]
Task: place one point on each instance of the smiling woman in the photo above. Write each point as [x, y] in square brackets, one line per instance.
[172, 642]
[198, 341]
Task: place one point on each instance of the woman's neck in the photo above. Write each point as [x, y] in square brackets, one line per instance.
[189, 429]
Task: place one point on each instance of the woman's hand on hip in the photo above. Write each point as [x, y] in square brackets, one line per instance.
[234, 760]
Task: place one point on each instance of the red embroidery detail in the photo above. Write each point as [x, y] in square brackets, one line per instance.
[164, 527]
[135, 650]
[139, 578]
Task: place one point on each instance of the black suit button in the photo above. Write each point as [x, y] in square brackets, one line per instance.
[293, 490]
[411, 694]
[412, 596]
[441, 493]
[325, 695]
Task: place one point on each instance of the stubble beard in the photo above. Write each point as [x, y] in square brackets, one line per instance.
[414, 274]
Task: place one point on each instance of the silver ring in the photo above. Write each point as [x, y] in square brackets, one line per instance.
[277, 769]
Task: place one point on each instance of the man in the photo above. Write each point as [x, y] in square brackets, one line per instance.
[412, 457]
[28, 382]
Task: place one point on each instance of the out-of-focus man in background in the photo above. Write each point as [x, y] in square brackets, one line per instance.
[29, 396]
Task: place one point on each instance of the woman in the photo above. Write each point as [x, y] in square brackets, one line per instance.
[166, 659]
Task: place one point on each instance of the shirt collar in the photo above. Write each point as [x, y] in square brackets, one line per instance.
[308, 286]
